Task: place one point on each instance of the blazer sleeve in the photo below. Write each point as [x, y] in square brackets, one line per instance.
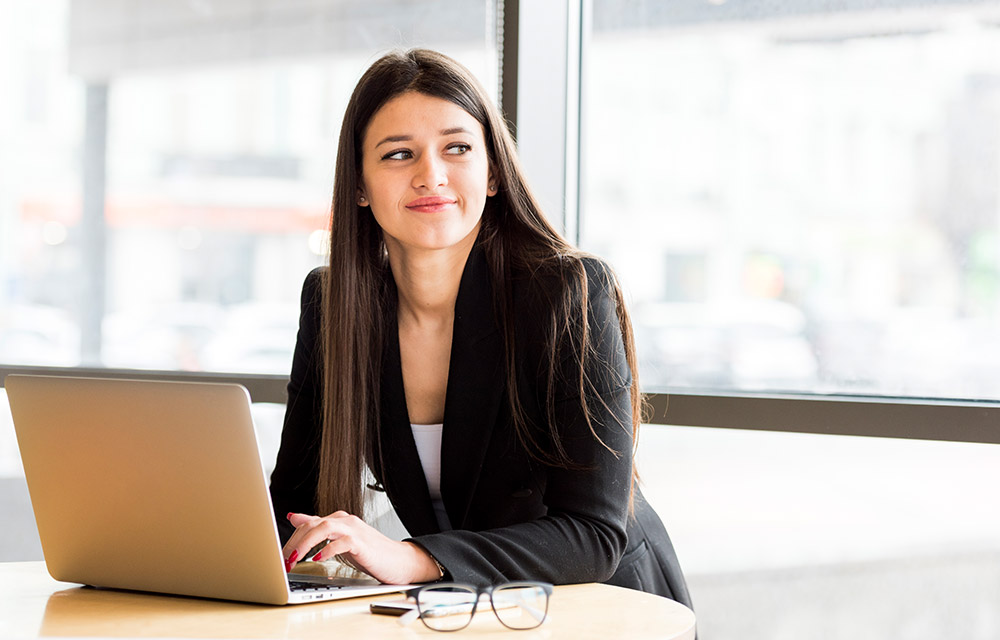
[296, 469]
[582, 535]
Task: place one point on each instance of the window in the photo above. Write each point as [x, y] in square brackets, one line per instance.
[818, 188]
[208, 133]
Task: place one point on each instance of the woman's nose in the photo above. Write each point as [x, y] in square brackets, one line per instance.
[430, 172]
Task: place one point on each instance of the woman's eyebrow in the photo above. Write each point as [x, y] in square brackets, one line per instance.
[389, 139]
[407, 138]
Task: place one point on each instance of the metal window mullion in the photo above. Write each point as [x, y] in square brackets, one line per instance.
[93, 241]
[576, 146]
[507, 39]
[917, 419]
[262, 387]
[945, 420]
[539, 108]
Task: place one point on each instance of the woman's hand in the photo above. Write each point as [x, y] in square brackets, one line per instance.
[360, 546]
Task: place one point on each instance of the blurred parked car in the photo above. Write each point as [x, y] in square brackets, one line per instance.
[38, 335]
[747, 344]
[254, 338]
[171, 337]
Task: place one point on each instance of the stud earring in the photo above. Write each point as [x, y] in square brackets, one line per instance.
[362, 201]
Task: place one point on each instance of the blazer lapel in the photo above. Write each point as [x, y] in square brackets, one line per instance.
[401, 472]
[473, 396]
[475, 388]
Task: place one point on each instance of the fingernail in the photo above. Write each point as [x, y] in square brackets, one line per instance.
[289, 516]
[316, 558]
[290, 561]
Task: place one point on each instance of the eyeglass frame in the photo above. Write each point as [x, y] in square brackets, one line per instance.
[546, 587]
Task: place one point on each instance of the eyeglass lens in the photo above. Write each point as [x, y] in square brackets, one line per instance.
[520, 606]
[447, 608]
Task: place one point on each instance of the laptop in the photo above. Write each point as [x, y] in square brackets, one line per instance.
[156, 486]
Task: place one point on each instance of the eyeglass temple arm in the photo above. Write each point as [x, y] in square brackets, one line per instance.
[534, 612]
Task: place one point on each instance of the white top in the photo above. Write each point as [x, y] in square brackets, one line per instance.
[428, 440]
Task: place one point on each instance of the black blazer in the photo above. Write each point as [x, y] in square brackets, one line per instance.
[514, 518]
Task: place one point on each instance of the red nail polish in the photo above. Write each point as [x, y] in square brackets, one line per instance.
[289, 516]
[290, 561]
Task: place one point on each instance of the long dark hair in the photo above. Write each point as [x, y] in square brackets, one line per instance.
[515, 237]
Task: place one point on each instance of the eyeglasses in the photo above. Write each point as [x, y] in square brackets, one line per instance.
[448, 606]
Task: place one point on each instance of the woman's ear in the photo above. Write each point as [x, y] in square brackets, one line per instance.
[491, 184]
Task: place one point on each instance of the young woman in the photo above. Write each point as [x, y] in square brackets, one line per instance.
[459, 350]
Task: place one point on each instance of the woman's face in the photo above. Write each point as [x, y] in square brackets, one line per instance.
[425, 173]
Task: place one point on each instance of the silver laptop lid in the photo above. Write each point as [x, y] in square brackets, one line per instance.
[154, 486]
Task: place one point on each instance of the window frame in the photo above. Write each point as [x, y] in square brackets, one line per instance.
[567, 22]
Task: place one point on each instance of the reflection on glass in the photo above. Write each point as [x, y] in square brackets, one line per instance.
[816, 188]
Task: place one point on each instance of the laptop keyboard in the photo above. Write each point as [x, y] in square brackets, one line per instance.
[295, 585]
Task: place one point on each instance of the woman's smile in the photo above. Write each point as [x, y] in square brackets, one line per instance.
[430, 204]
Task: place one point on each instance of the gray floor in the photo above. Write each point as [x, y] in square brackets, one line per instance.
[919, 599]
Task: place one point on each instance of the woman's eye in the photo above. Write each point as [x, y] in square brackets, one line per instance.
[399, 154]
[459, 149]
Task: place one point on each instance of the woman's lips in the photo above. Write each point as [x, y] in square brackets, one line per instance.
[430, 204]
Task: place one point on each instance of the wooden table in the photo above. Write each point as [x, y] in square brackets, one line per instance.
[32, 604]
